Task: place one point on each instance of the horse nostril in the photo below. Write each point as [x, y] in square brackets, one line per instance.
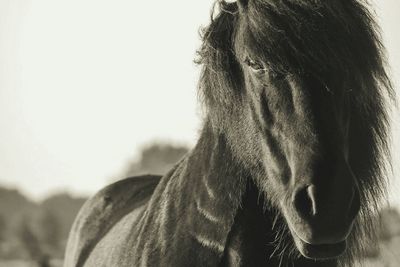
[304, 201]
[311, 192]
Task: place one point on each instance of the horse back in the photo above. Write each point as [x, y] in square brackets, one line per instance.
[101, 212]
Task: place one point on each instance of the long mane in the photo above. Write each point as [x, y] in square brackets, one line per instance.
[337, 39]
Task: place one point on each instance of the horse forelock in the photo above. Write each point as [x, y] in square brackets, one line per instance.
[338, 39]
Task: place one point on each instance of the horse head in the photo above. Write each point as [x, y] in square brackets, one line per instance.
[298, 87]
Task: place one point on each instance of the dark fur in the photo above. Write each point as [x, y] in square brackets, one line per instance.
[315, 38]
[216, 206]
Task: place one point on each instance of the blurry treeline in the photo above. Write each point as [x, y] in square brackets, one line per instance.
[386, 251]
[156, 158]
[37, 232]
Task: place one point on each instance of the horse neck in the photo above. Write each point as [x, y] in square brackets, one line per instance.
[213, 168]
[216, 181]
[194, 206]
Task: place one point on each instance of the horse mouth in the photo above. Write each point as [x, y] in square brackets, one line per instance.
[320, 251]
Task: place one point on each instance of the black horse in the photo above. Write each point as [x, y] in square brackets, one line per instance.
[289, 168]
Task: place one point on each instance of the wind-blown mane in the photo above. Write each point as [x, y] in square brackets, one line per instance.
[308, 39]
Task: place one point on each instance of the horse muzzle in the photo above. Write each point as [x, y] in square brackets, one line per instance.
[320, 221]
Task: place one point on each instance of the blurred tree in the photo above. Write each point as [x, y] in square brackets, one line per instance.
[390, 224]
[14, 205]
[30, 242]
[3, 228]
[58, 213]
[385, 249]
[156, 158]
[3, 234]
[65, 208]
[29, 229]
[50, 232]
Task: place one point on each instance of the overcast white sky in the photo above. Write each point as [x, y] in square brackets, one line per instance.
[85, 83]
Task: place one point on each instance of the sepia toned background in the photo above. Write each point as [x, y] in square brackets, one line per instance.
[92, 91]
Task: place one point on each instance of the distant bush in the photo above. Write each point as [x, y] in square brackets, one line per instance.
[157, 158]
[35, 231]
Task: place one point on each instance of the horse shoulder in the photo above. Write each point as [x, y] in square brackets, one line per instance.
[101, 212]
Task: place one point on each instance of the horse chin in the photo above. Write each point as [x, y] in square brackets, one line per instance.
[319, 251]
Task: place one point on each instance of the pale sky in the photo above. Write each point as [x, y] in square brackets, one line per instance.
[85, 83]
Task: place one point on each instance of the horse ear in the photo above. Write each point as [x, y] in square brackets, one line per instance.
[242, 4]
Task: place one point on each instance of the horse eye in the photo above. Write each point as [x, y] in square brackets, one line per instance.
[255, 66]
[277, 75]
